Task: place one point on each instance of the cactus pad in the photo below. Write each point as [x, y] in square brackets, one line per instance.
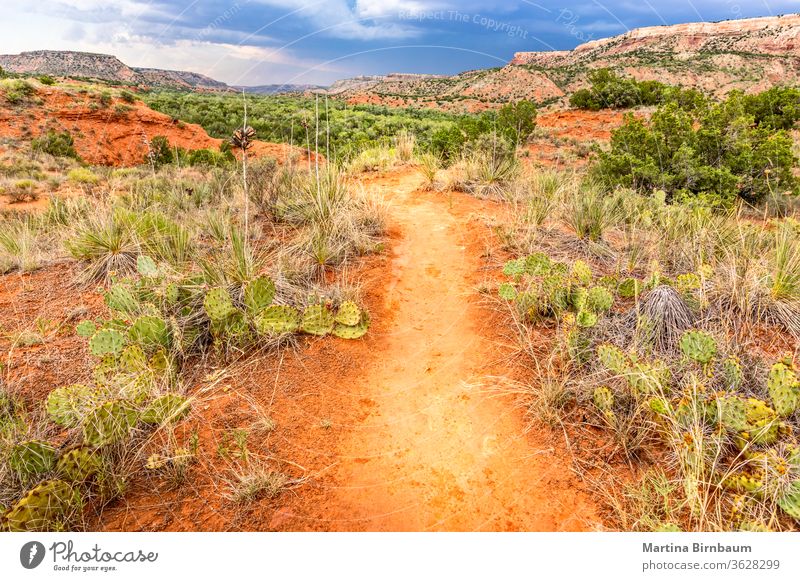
[698, 346]
[349, 314]
[78, 464]
[32, 457]
[67, 406]
[258, 295]
[44, 508]
[106, 342]
[218, 304]
[514, 268]
[133, 359]
[352, 331]
[169, 407]
[277, 319]
[629, 288]
[150, 332]
[120, 299]
[604, 399]
[85, 329]
[790, 501]
[732, 372]
[586, 319]
[613, 359]
[581, 273]
[784, 389]
[109, 423]
[507, 291]
[537, 264]
[146, 266]
[317, 320]
[599, 300]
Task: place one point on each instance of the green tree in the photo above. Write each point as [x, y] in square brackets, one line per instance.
[516, 121]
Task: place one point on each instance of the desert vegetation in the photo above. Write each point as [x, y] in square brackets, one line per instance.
[197, 258]
[659, 316]
[651, 292]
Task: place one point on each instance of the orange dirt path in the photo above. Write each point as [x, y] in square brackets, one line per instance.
[437, 450]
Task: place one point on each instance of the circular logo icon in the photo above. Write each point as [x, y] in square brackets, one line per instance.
[31, 554]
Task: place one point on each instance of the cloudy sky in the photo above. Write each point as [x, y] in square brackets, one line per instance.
[252, 42]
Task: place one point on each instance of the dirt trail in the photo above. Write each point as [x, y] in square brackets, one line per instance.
[436, 450]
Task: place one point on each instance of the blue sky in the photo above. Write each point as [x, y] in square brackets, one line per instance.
[254, 42]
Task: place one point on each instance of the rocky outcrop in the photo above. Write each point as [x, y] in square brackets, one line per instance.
[65, 63]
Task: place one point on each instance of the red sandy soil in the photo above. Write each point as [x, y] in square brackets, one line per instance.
[104, 137]
[581, 125]
[406, 429]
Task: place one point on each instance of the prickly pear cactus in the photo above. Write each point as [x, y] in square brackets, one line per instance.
[85, 329]
[121, 299]
[581, 273]
[258, 295]
[599, 300]
[586, 319]
[750, 481]
[172, 294]
[577, 298]
[133, 359]
[753, 419]
[169, 407]
[784, 389]
[150, 333]
[537, 264]
[32, 458]
[109, 423]
[78, 464]
[732, 411]
[514, 268]
[107, 342]
[218, 304]
[732, 372]
[317, 320]
[629, 288]
[352, 331]
[613, 359]
[44, 508]
[790, 501]
[349, 314]
[67, 406]
[507, 291]
[146, 266]
[698, 346]
[604, 399]
[105, 370]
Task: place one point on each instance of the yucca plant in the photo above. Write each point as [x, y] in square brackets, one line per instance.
[429, 164]
[589, 213]
[324, 194]
[785, 275]
[109, 248]
[18, 247]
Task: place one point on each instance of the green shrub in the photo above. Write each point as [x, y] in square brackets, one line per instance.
[56, 144]
[47, 80]
[516, 121]
[82, 175]
[777, 108]
[610, 91]
[160, 151]
[127, 96]
[711, 157]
